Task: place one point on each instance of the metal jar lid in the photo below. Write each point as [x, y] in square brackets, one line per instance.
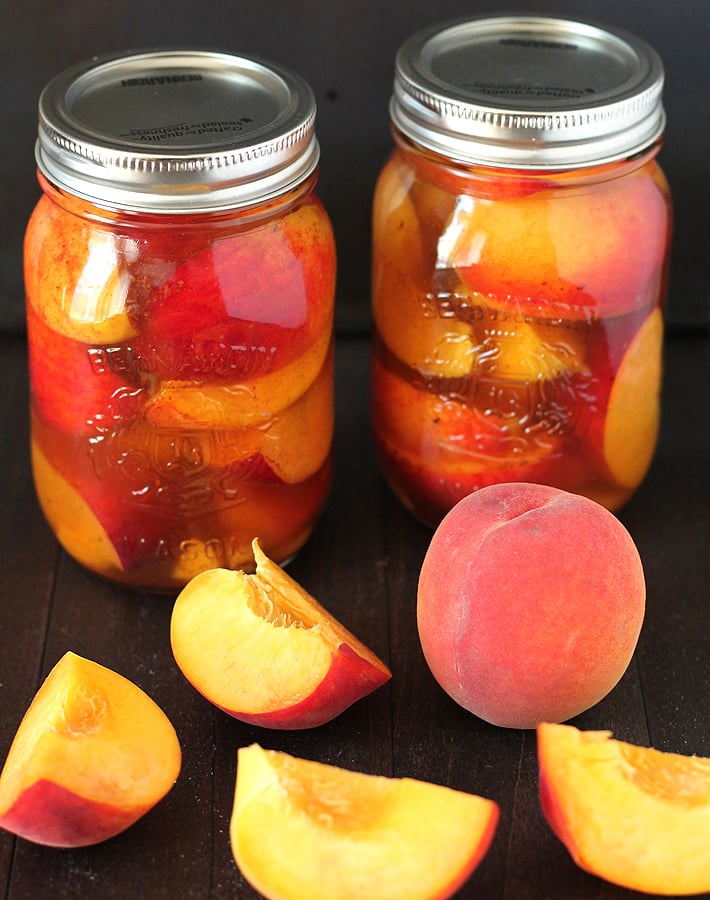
[528, 92]
[176, 131]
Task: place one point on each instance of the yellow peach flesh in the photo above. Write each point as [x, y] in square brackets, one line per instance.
[632, 815]
[566, 251]
[75, 525]
[257, 644]
[194, 405]
[526, 352]
[383, 838]
[633, 416]
[241, 628]
[406, 317]
[94, 734]
[77, 276]
[299, 439]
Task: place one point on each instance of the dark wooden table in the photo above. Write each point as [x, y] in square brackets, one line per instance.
[363, 562]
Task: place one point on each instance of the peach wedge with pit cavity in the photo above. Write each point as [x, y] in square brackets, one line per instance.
[262, 649]
[632, 815]
[347, 835]
[91, 756]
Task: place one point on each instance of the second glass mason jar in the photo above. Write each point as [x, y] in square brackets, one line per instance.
[180, 277]
[521, 231]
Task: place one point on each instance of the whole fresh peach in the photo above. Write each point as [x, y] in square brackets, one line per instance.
[530, 603]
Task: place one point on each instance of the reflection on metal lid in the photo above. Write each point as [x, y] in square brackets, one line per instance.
[177, 130]
[528, 92]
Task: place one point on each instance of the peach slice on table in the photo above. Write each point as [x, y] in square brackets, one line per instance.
[634, 816]
[91, 756]
[262, 649]
[633, 414]
[346, 835]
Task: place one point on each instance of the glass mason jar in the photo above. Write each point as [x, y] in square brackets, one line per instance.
[180, 275]
[521, 230]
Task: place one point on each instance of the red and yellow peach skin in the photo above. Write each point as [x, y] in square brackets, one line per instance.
[262, 649]
[91, 756]
[530, 603]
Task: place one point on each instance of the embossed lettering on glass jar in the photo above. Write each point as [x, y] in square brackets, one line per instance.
[521, 229]
[180, 276]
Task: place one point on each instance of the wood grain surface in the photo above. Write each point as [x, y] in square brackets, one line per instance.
[362, 562]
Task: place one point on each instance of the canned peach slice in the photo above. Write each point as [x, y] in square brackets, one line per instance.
[240, 404]
[265, 293]
[99, 523]
[198, 555]
[417, 328]
[259, 509]
[76, 526]
[172, 452]
[252, 503]
[633, 416]
[433, 206]
[430, 489]
[449, 435]
[298, 441]
[566, 255]
[72, 389]
[311, 240]
[515, 350]
[79, 281]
